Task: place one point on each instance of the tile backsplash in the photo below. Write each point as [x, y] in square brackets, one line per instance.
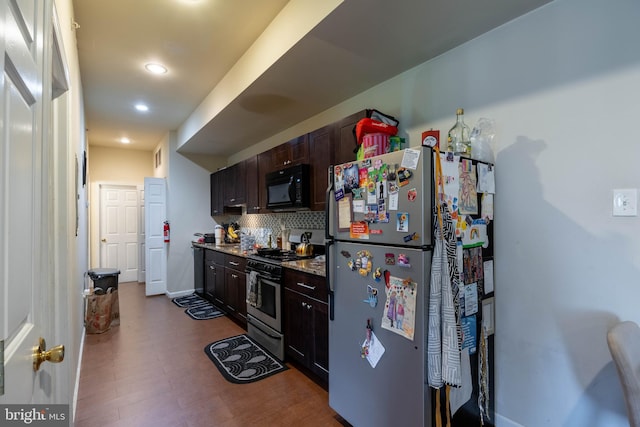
[261, 225]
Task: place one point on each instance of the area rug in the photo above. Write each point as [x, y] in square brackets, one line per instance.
[241, 360]
[198, 308]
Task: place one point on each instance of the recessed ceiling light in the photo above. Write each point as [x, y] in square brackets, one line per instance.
[156, 68]
[125, 140]
[142, 107]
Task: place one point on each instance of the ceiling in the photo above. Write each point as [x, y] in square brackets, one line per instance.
[358, 45]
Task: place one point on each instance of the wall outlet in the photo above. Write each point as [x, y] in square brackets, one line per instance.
[625, 202]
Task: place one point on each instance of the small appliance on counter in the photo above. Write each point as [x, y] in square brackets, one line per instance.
[219, 234]
[204, 238]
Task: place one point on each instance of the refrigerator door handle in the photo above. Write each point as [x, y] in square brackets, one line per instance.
[327, 233]
[327, 271]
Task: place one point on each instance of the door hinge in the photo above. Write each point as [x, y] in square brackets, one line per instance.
[1, 367]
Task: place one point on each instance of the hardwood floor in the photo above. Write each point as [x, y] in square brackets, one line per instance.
[151, 370]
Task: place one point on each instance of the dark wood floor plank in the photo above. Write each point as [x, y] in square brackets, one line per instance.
[151, 370]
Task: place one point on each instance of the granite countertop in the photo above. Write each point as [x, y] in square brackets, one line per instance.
[227, 248]
[312, 266]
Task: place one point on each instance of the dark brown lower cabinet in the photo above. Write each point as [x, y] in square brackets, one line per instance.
[226, 283]
[306, 320]
[214, 276]
[235, 288]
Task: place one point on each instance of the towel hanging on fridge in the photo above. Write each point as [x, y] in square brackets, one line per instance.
[444, 332]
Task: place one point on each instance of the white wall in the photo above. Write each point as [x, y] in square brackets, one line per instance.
[188, 211]
[108, 165]
[77, 255]
[562, 85]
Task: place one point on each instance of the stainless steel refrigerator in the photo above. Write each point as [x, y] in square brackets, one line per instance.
[379, 242]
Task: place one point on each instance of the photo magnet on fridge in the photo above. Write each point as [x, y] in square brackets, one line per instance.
[338, 180]
[357, 193]
[404, 175]
[351, 177]
[402, 221]
[412, 195]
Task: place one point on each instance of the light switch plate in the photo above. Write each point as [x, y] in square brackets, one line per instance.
[625, 202]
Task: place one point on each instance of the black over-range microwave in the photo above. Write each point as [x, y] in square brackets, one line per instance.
[288, 189]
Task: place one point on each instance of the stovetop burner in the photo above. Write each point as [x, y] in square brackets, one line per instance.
[279, 255]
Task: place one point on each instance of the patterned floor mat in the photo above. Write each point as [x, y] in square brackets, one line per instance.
[197, 307]
[241, 360]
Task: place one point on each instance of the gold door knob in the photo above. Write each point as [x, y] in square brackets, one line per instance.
[104, 240]
[41, 354]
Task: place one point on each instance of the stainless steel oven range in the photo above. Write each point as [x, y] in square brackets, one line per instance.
[264, 303]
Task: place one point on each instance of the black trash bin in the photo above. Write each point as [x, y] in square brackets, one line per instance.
[104, 278]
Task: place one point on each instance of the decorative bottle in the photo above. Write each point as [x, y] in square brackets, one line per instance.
[458, 137]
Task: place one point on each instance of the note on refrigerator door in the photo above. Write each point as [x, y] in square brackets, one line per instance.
[469, 334]
[470, 299]
[399, 314]
[375, 351]
[486, 179]
[451, 181]
[488, 276]
[468, 203]
[410, 159]
[344, 213]
[487, 206]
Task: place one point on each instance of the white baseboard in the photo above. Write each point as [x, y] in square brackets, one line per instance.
[178, 294]
[76, 386]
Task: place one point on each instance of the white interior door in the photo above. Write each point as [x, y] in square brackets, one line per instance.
[24, 266]
[119, 230]
[155, 212]
[141, 250]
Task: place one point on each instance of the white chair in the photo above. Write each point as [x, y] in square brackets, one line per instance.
[624, 345]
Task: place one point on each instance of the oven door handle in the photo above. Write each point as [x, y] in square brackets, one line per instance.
[264, 332]
[265, 276]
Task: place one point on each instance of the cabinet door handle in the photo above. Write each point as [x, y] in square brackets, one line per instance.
[235, 276]
[235, 264]
[211, 267]
[313, 288]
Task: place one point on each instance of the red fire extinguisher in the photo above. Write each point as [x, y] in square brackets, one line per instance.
[166, 231]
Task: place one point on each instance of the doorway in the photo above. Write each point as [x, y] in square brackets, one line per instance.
[119, 229]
